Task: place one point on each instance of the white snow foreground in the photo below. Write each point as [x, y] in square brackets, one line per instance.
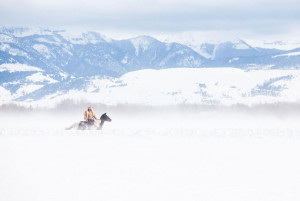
[221, 86]
[209, 157]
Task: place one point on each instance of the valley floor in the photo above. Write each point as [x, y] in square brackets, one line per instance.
[209, 156]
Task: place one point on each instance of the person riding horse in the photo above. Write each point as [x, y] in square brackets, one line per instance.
[89, 116]
[98, 124]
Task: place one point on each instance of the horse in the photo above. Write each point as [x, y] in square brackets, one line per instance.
[97, 124]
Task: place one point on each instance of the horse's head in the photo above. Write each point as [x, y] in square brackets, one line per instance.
[104, 117]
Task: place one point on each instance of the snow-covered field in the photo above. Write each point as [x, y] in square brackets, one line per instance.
[224, 86]
[209, 155]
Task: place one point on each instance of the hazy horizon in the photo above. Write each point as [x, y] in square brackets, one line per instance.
[251, 20]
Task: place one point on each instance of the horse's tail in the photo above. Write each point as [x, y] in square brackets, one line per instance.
[73, 126]
[69, 128]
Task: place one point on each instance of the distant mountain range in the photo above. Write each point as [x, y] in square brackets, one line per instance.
[35, 63]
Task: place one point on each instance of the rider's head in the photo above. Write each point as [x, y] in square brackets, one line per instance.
[90, 108]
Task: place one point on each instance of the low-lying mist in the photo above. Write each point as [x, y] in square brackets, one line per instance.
[142, 117]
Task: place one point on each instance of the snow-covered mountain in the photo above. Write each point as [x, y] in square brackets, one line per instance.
[44, 64]
[238, 53]
[91, 53]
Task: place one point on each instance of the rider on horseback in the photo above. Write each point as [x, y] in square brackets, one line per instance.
[89, 116]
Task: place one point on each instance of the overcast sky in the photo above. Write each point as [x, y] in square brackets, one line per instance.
[252, 17]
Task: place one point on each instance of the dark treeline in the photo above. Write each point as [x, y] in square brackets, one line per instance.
[70, 106]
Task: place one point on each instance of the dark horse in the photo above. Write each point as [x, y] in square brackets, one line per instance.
[97, 124]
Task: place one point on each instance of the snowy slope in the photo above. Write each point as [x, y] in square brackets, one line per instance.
[17, 80]
[221, 86]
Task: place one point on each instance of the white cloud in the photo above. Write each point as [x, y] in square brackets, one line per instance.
[255, 16]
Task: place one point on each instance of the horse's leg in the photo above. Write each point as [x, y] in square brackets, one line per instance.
[82, 126]
[79, 126]
[100, 126]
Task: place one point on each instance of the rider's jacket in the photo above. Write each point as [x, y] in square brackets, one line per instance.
[89, 115]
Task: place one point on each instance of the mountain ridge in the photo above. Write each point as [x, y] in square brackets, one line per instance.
[37, 62]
